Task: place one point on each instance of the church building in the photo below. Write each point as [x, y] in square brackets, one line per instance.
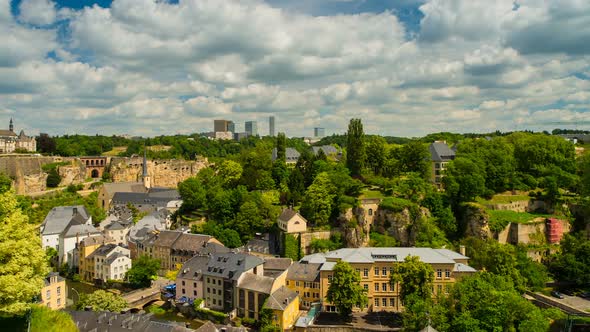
[11, 142]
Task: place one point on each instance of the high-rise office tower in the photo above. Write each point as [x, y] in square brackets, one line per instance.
[231, 127]
[271, 126]
[251, 128]
[319, 132]
[220, 125]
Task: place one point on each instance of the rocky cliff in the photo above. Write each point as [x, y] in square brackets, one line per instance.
[475, 221]
[356, 228]
[74, 173]
[163, 173]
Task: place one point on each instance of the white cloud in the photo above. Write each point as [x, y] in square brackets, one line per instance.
[37, 12]
[152, 67]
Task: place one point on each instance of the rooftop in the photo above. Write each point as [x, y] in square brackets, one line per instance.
[440, 151]
[281, 298]
[231, 265]
[60, 217]
[304, 271]
[256, 283]
[193, 268]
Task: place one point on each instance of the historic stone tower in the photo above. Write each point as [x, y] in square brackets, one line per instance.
[147, 183]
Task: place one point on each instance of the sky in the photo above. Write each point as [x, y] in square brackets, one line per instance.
[405, 67]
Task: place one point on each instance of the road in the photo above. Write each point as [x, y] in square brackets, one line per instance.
[575, 301]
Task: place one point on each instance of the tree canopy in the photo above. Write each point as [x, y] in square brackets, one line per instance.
[345, 290]
[143, 271]
[101, 300]
[23, 264]
[355, 147]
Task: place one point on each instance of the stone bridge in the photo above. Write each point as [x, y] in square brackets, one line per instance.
[547, 301]
[139, 298]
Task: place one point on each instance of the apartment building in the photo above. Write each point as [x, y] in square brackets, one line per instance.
[84, 251]
[53, 293]
[375, 266]
[303, 278]
[111, 262]
[440, 155]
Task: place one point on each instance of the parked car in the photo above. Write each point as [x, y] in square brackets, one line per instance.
[569, 292]
[585, 295]
[557, 294]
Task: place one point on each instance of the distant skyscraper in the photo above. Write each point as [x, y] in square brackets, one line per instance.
[319, 132]
[271, 126]
[220, 125]
[251, 128]
[231, 127]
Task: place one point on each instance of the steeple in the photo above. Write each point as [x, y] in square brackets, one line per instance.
[11, 126]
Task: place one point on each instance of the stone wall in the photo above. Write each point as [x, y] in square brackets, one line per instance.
[520, 206]
[25, 172]
[534, 232]
[309, 236]
[74, 173]
[163, 173]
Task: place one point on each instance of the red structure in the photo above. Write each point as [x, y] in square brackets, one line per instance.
[554, 230]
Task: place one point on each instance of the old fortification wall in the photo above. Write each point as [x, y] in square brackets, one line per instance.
[163, 173]
[25, 172]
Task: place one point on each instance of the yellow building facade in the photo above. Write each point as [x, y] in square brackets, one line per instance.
[85, 263]
[284, 304]
[54, 293]
[375, 266]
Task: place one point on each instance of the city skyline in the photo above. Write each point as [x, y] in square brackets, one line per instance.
[407, 68]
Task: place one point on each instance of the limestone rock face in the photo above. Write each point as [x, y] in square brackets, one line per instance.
[475, 221]
[355, 227]
[31, 183]
[71, 174]
[163, 173]
[403, 225]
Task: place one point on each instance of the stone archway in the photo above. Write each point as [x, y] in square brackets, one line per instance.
[94, 174]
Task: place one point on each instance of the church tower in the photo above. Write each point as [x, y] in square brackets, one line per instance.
[147, 183]
[11, 126]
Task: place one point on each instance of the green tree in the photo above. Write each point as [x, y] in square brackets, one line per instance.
[101, 300]
[230, 172]
[193, 194]
[143, 271]
[281, 147]
[248, 220]
[415, 277]
[355, 147]
[296, 185]
[5, 183]
[23, 263]
[414, 157]
[345, 290]
[572, 264]
[376, 154]
[317, 205]
[53, 178]
[43, 319]
[464, 180]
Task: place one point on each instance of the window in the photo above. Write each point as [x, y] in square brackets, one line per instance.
[183, 282]
[58, 290]
[376, 287]
[219, 282]
[366, 273]
[384, 271]
[194, 293]
[330, 277]
[392, 302]
[214, 301]
[370, 212]
[384, 287]
[391, 287]
[384, 302]
[287, 282]
[48, 295]
[376, 271]
[208, 281]
[183, 291]
[448, 274]
[208, 290]
[366, 286]
[297, 283]
[376, 302]
[358, 271]
[438, 289]
[58, 301]
[194, 284]
[438, 273]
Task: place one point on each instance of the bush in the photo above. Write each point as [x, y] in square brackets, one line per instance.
[212, 315]
[395, 204]
[53, 179]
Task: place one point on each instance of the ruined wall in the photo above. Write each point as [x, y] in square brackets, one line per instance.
[163, 173]
[308, 237]
[25, 172]
[521, 206]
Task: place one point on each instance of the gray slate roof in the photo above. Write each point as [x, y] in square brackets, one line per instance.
[281, 298]
[193, 268]
[291, 155]
[87, 321]
[60, 217]
[440, 151]
[279, 264]
[328, 150]
[287, 214]
[53, 274]
[147, 224]
[103, 250]
[391, 254]
[75, 229]
[304, 271]
[114, 187]
[231, 265]
[256, 283]
[114, 257]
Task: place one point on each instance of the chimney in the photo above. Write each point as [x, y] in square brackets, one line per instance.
[462, 250]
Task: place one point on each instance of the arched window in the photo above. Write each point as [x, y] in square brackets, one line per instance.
[370, 212]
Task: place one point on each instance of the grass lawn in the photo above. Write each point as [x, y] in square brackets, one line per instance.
[503, 199]
[372, 194]
[115, 151]
[516, 217]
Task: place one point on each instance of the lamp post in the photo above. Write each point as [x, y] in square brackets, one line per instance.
[76, 294]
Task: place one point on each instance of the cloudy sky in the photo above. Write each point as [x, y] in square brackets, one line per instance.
[406, 67]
